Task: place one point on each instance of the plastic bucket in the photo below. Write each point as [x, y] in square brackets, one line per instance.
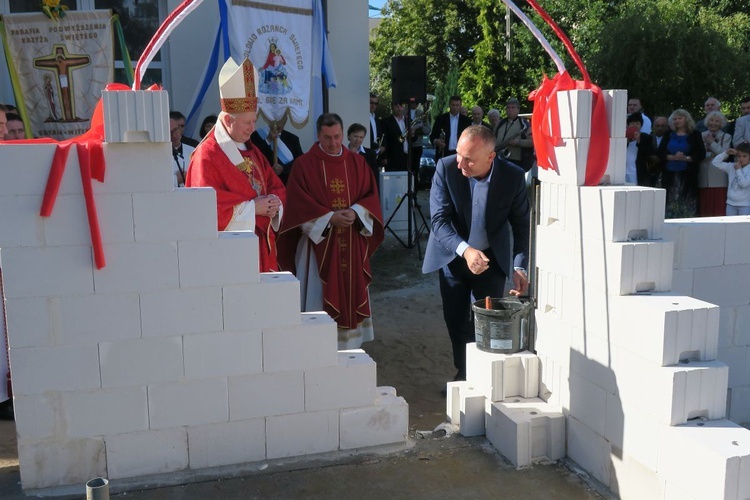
[502, 329]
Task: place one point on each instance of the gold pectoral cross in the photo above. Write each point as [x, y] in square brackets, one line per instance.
[248, 167]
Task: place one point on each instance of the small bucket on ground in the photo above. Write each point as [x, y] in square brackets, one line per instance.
[97, 489]
[503, 328]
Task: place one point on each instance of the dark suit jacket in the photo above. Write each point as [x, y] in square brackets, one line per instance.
[289, 139]
[372, 162]
[450, 206]
[375, 137]
[443, 123]
[645, 152]
[394, 149]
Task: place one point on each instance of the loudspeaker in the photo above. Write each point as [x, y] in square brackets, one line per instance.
[409, 78]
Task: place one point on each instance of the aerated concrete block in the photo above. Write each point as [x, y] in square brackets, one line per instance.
[571, 155]
[465, 407]
[46, 271]
[266, 394]
[223, 354]
[500, 376]
[526, 430]
[147, 452]
[665, 328]
[350, 383]
[183, 214]
[616, 103]
[615, 172]
[723, 285]
[622, 213]
[697, 243]
[311, 344]
[226, 443]
[145, 168]
[138, 268]
[710, 459]
[37, 370]
[559, 208]
[105, 411]
[302, 434]
[248, 305]
[737, 241]
[588, 402]
[385, 422]
[558, 251]
[636, 267]
[136, 116]
[632, 479]
[69, 225]
[159, 360]
[589, 449]
[25, 169]
[181, 311]
[204, 262]
[574, 108]
[39, 416]
[173, 404]
[61, 462]
[634, 432]
[21, 224]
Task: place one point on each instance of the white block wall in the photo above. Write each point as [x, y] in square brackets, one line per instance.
[178, 354]
[642, 326]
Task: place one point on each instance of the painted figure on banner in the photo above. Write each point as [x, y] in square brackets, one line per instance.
[63, 64]
[249, 195]
[275, 78]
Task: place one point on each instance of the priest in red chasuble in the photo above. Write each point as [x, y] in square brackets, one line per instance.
[332, 226]
[249, 195]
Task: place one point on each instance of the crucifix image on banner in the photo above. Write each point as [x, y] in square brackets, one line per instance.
[61, 63]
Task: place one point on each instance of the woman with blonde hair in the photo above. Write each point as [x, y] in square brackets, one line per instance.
[681, 151]
[712, 182]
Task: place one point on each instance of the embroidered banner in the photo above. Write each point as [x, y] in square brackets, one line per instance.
[277, 38]
[60, 68]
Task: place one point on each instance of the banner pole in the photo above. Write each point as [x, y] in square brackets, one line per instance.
[14, 82]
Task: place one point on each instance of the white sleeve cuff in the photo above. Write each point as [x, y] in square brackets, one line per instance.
[462, 248]
[366, 217]
[243, 217]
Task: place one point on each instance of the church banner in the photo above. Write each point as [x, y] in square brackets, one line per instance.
[277, 38]
[60, 68]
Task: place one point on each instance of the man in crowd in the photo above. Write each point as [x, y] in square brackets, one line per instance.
[741, 126]
[477, 116]
[513, 136]
[15, 127]
[180, 119]
[395, 139]
[332, 226]
[661, 127]
[249, 194]
[3, 122]
[286, 145]
[181, 152]
[376, 131]
[711, 104]
[477, 200]
[635, 106]
[448, 128]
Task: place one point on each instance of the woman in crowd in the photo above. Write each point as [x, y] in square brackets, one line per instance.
[681, 152]
[712, 182]
[207, 125]
[356, 136]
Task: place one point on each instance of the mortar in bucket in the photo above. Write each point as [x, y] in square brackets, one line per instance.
[501, 329]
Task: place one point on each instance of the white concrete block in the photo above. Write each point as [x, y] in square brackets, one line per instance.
[633, 432]
[500, 376]
[38, 417]
[574, 108]
[183, 214]
[20, 222]
[37, 370]
[665, 328]
[158, 360]
[675, 492]
[723, 285]
[249, 305]
[731, 333]
[61, 462]
[69, 225]
[616, 103]
[698, 243]
[737, 240]
[618, 213]
[385, 422]
[644, 266]
[588, 403]
[311, 344]
[25, 169]
[526, 430]
[739, 406]
[736, 358]
[136, 116]
[672, 394]
[137, 168]
[466, 408]
[615, 172]
[589, 450]
[45, 271]
[571, 156]
[554, 387]
[226, 443]
[710, 459]
[558, 251]
[632, 479]
[193, 402]
[593, 358]
[148, 452]
[138, 268]
[302, 434]
[105, 411]
[351, 383]
[181, 311]
[266, 394]
[682, 281]
[223, 354]
[28, 321]
[205, 262]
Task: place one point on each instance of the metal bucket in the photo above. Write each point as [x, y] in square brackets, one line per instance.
[502, 329]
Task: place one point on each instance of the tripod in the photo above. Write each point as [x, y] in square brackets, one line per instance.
[414, 231]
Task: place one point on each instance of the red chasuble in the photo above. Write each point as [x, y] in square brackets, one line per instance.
[318, 184]
[210, 167]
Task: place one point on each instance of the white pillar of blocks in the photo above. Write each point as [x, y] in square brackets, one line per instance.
[107, 365]
[633, 363]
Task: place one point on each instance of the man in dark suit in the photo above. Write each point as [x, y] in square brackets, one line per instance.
[376, 126]
[476, 200]
[287, 146]
[447, 129]
[395, 139]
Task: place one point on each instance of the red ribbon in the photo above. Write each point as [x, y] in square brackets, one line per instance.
[546, 120]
